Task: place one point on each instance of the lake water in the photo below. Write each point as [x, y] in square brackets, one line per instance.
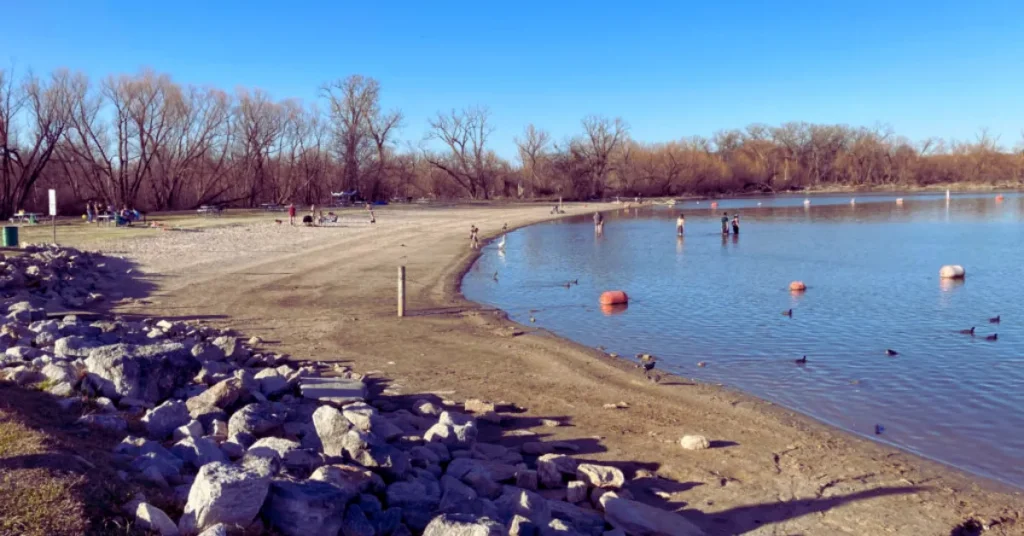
[872, 276]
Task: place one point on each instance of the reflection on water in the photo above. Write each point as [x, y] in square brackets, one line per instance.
[871, 268]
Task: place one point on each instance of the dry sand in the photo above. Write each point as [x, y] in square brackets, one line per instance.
[329, 293]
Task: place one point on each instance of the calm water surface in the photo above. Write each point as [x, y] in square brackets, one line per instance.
[872, 276]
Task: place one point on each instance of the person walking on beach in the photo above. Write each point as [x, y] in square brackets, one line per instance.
[291, 213]
[474, 239]
[736, 224]
[680, 224]
[369, 210]
[725, 223]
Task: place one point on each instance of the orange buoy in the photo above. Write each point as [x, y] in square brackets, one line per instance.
[714, 204]
[797, 286]
[999, 197]
[614, 297]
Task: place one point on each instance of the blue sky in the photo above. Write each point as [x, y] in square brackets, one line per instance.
[671, 70]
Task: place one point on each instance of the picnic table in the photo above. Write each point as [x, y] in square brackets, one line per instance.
[105, 218]
[25, 217]
[209, 210]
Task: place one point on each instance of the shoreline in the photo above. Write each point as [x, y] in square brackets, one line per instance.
[324, 294]
[768, 407]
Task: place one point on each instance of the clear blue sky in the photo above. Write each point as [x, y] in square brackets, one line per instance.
[671, 69]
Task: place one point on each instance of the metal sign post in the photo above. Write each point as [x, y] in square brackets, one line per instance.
[53, 213]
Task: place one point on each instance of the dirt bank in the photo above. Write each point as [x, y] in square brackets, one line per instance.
[329, 294]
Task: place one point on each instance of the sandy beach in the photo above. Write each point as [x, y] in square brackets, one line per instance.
[329, 294]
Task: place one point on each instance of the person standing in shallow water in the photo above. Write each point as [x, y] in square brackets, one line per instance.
[736, 224]
[598, 223]
[725, 223]
[680, 224]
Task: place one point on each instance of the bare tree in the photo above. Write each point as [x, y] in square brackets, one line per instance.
[601, 138]
[383, 128]
[533, 147]
[33, 117]
[353, 105]
[468, 162]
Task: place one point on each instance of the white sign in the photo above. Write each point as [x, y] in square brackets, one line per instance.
[53, 202]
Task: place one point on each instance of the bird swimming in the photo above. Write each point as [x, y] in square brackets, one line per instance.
[788, 312]
[967, 331]
[995, 319]
[495, 276]
[801, 361]
[501, 245]
[890, 352]
[992, 337]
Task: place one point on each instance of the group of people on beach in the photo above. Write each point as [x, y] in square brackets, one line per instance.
[315, 218]
[125, 216]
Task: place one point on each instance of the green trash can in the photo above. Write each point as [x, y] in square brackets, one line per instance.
[10, 236]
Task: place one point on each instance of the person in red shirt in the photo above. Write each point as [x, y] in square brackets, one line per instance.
[291, 214]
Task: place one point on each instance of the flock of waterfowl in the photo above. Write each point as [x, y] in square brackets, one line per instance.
[893, 353]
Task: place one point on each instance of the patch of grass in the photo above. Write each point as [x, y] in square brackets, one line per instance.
[55, 479]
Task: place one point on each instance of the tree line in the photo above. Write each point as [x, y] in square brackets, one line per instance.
[146, 141]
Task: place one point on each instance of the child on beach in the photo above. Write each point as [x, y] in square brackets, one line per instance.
[291, 214]
[725, 223]
[736, 224]
[474, 240]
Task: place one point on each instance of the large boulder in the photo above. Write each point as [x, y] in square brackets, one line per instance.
[349, 477]
[198, 452]
[223, 493]
[60, 372]
[332, 427]
[229, 346]
[600, 476]
[639, 519]
[289, 452]
[163, 419]
[304, 508]
[520, 502]
[581, 520]
[417, 497]
[74, 346]
[356, 523]
[153, 519]
[147, 372]
[222, 395]
[463, 525]
[256, 419]
[271, 382]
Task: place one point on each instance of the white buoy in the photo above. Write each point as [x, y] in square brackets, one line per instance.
[853, 200]
[947, 194]
[807, 201]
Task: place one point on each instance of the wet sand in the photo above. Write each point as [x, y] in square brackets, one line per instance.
[329, 294]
